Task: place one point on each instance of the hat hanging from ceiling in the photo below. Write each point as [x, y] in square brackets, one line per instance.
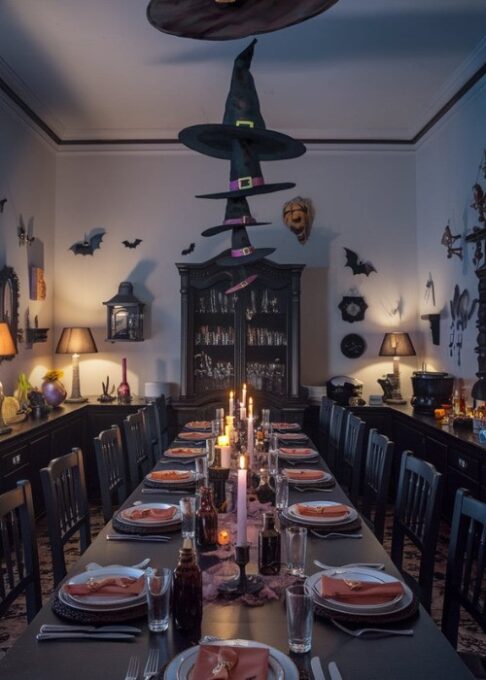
[242, 121]
[242, 252]
[240, 279]
[230, 19]
[237, 214]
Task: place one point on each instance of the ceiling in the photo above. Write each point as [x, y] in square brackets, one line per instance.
[365, 69]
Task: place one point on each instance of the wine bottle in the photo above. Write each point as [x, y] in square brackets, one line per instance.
[269, 546]
[206, 520]
[187, 590]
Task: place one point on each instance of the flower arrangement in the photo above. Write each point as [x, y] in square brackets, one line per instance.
[52, 388]
[52, 376]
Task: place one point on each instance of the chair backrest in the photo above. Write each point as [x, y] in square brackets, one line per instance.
[376, 480]
[335, 440]
[112, 475]
[19, 561]
[138, 448]
[465, 584]
[351, 463]
[156, 425]
[417, 517]
[324, 423]
[64, 487]
[162, 421]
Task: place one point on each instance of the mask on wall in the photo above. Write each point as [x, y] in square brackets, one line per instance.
[298, 215]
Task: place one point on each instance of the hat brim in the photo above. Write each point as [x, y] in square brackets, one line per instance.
[225, 259]
[207, 21]
[216, 140]
[241, 284]
[211, 231]
[254, 191]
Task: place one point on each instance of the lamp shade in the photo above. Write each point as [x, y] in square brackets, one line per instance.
[76, 341]
[396, 345]
[7, 345]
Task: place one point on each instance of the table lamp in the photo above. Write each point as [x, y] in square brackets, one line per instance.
[76, 341]
[396, 345]
[7, 349]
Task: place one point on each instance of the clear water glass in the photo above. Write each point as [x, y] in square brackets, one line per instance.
[265, 420]
[210, 451]
[281, 491]
[273, 461]
[295, 549]
[201, 466]
[216, 428]
[188, 508]
[158, 584]
[299, 603]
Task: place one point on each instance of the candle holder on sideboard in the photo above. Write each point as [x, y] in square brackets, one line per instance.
[245, 584]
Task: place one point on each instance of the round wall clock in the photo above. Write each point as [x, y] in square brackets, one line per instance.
[353, 346]
[353, 308]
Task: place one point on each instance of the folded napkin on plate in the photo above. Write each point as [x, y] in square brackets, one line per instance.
[169, 475]
[286, 426]
[193, 436]
[199, 424]
[322, 510]
[178, 451]
[163, 514]
[296, 452]
[230, 663]
[306, 475]
[359, 592]
[111, 585]
[293, 436]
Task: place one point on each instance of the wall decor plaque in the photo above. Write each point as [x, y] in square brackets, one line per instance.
[353, 346]
[353, 308]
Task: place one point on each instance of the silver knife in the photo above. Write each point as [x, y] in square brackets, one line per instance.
[84, 636]
[181, 492]
[59, 628]
[317, 668]
[334, 671]
[136, 537]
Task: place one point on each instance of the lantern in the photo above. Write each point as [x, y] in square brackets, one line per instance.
[124, 315]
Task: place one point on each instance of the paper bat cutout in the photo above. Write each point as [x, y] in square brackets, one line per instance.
[24, 237]
[2, 204]
[88, 246]
[448, 239]
[357, 265]
[132, 244]
[188, 250]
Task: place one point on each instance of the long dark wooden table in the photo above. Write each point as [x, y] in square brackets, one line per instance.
[427, 655]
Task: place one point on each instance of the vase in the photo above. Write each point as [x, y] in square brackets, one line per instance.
[123, 391]
[54, 392]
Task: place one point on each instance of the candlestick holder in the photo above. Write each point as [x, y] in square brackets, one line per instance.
[245, 584]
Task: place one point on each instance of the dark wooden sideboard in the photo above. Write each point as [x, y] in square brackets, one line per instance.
[34, 442]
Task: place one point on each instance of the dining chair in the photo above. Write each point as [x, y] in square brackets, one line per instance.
[156, 424]
[325, 410]
[19, 561]
[138, 448]
[416, 518]
[376, 481]
[351, 464]
[465, 582]
[112, 474]
[332, 454]
[66, 501]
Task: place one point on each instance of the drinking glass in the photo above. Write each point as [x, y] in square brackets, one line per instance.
[158, 584]
[265, 420]
[273, 442]
[210, 451]
[216, 427]
[201, 465]
[296, 544]
[281, 491]
[273, 461]
[299, 603]
[188, 508]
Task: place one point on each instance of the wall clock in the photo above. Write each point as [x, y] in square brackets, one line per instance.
[353, 346]
[353, 308]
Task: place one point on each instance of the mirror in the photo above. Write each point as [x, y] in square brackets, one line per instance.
[9, 301]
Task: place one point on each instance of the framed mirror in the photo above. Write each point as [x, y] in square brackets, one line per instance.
[9, 301]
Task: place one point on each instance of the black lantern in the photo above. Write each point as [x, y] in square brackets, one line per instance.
[125, 315]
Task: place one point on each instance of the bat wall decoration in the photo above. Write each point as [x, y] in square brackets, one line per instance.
[2, 204]
[132, 244]
[88, 246]
[358, 266]
[189, 250]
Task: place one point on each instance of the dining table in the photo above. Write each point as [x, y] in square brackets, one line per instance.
[426, 654]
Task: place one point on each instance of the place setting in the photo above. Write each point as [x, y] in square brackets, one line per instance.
[289, 438]
[283, 428]
[297, 455]
[304, 479]
[198, 426]
[195, 437]
[323, 517]
[148, 519]
[171, 480]
[183, 454]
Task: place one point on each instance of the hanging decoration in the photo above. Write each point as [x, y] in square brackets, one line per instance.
[132, 244]
[353, 346]
[462, 309]
[89, 245]
[298, 215]
[358, 266]
[448, 239]
[353, 308]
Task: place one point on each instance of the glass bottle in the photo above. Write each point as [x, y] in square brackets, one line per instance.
[206, 520]
[123, 391]
[269, 546]
[187, 590]
[264, 491]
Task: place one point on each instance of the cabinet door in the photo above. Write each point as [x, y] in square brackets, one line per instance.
[14, 465]
[436, 453]
[408, 438]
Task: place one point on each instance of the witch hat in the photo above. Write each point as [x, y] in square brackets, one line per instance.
[217, 20]
[237, 214]
[239, 280]
[242, 252]
[242, 120]
[246, 178]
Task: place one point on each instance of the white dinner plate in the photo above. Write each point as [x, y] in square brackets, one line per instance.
[289, 453]
[292, 437]
[194, 436]
[350, 516]
[98, 600]
[359, 574]
[150, 521]
[198, 425]
[284, 427]
[324, 477]
[280, 666]
[189, 478]
[184, 452]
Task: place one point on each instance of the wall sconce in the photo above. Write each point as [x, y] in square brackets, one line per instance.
[76, 341]
[124, 315]
[395, 345]
[7, 349]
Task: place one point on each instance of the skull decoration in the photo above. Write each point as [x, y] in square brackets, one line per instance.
[298, 215]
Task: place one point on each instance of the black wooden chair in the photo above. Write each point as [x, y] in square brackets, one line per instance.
[376, 481]
[112, 474]
[333, 453]
[64, 487]
[162, 422]
[324, 423]
[138, 448]
[19, 561]
[156, 426]
[351, 464]
[465, 584]
[417, 517]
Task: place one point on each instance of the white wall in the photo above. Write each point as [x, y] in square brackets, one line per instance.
[27, 181]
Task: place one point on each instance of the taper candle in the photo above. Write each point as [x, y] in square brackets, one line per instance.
[241, 504]
[231, 403]
[250, 441]
[243, 395]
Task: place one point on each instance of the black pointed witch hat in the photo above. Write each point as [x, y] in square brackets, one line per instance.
[240, 279]
[241, 252]
[237, 215]
[242, 120]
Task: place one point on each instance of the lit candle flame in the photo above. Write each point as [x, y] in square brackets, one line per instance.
[242, 462]
[223, 440]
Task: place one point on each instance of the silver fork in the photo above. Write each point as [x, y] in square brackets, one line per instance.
[311, 488]
[152, 665]
[371, 631]
[369, 565]
[132, 670]
[335, 534]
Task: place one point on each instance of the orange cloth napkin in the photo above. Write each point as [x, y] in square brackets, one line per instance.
[182, 452]
[199, 424]
[359, 592]
[193, 435]
[323, 510]
[303, 474]
[296, 452]
[111, 585]
[230, 663]
[169, 475]
[163, 514]
[286, 426]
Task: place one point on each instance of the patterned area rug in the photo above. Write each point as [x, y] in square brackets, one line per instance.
[471, 638]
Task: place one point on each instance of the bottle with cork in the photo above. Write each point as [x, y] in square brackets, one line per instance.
[269, 546]
[187, 590]
[206, 520]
